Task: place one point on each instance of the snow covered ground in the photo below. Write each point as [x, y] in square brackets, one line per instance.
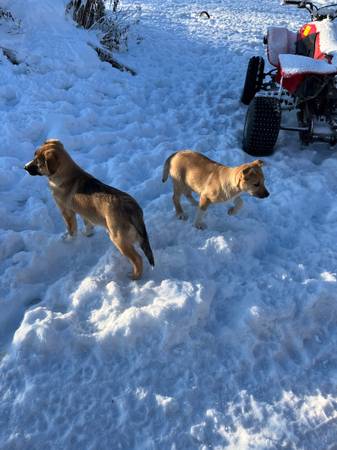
[230, 342]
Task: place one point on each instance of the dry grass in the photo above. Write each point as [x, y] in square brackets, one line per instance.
[6, 15]
[112, 26]
[14, 26]
[86, 12]
[112, 23]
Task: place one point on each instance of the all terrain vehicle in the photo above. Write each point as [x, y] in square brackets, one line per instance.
[303, 79]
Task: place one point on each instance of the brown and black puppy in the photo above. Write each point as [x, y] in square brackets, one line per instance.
[214, 182]
[77, 192]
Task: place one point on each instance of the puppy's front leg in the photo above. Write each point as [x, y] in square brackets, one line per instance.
[238, 203]
[70, 219]
[203, 205]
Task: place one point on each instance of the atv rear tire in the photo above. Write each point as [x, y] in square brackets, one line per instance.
[254, 79]
[262, 126]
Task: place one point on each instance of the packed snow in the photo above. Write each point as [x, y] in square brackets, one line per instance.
[230, 341]
[327, 36]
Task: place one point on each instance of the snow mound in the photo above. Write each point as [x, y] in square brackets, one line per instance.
[298, 64]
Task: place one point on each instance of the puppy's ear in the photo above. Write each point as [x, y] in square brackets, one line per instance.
[257, 163]
[51, 162]
[246, 171]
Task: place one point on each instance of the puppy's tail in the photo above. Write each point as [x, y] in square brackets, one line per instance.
[167, 164]
[145, 246]
[138, 222]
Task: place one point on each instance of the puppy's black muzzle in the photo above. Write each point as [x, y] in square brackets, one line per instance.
[263, 194]
[32, 169]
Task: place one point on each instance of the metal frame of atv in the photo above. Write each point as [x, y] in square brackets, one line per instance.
[267, 98]
[289, 102]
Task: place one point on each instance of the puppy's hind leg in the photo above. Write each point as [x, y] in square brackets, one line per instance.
[177, 192]
[203, 205]
[127, 249]
[88, 228]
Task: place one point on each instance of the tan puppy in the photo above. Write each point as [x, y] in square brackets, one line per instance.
[77, 192]
[214, 182]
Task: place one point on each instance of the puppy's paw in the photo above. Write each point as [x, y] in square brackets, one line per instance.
[200, 225]
[67, 237]
[182, 216]
[134, 276]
